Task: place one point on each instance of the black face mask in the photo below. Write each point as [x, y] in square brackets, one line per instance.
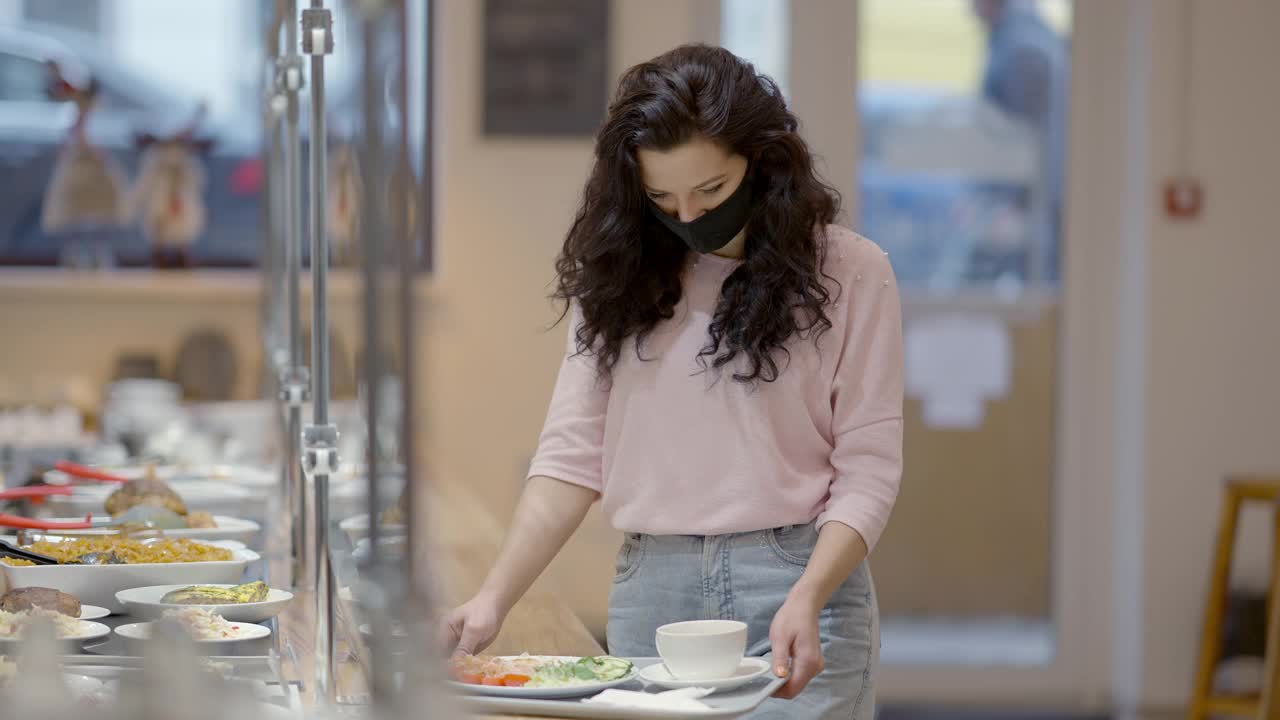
[715, 228]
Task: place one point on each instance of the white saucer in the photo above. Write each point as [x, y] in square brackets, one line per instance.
[750, 669]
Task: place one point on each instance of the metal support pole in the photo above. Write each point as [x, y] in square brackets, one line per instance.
[293, 383]
[383, 583]
[320, 439]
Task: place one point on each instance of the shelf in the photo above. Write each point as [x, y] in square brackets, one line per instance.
[70, 286]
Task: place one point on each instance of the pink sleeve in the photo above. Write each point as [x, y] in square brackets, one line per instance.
[866, 402]
[571, 447]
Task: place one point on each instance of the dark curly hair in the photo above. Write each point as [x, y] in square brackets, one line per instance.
[622, 267]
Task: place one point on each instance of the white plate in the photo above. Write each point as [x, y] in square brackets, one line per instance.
[229, 528]
[98, 584]
[750, 669]
[88, 631]
[543, 693]
[249, 631]
[93, 612]
[145, 602]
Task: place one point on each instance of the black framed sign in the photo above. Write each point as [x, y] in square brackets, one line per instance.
[546, 67]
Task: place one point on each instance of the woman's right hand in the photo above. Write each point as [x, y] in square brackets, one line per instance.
[472, 626]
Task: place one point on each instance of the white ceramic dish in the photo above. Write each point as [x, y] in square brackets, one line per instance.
[98, 584]
[229, 528]
[88, 631]
[543, 693]
[702, 649]
[145, 602]
[248, 631]
[93, 612]
[749, 669]
[357, 528]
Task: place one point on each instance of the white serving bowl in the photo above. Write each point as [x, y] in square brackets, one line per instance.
[702, 649]
[98, 584]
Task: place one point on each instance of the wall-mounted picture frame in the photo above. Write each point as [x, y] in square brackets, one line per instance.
[546, 67]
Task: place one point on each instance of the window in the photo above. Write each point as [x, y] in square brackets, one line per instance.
[153, 80]
[963, 107]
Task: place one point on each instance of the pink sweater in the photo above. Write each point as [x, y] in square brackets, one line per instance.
[673, 451]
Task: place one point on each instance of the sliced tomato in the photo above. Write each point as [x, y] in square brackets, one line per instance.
[492, 680]
[514, 680]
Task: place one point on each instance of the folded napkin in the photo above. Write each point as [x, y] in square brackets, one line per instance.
[682, 699]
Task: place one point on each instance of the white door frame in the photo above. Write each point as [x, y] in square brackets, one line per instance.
[1097, 496]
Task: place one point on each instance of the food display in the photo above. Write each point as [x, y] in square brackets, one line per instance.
[211, 595]
[538, 672]
[121, 550]
[31, 598]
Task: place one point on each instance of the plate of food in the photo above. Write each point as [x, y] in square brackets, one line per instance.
[95, 569]
[250, 603]
[203, 627]
[538, 676]
[24, 607]
[143, 486]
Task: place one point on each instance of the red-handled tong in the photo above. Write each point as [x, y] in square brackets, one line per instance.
[35, 491]
[16, 521]
[87, 473]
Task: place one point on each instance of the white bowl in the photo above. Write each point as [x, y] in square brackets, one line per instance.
[145, 602]
[702, 649]
[98, 584]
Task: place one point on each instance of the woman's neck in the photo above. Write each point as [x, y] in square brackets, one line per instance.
[737, 247]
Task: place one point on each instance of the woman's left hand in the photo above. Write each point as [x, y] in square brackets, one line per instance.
[797, 648]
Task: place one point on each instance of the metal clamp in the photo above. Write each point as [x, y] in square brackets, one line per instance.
[289, 75]
[295, 387]
[320, 450]
[317, 31]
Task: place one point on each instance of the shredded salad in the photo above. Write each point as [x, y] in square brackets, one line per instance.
[531, 671]
[204, 625]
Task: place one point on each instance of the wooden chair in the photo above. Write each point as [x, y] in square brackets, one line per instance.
[1238, 491]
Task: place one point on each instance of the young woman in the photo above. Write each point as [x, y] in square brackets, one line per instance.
[731, 390]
